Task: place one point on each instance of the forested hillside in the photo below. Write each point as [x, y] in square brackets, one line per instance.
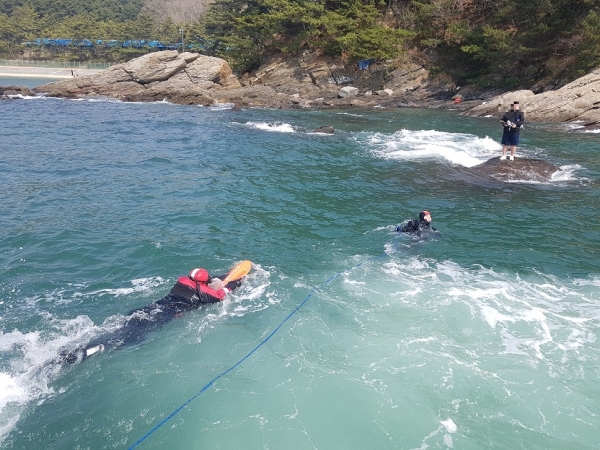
[501, 43]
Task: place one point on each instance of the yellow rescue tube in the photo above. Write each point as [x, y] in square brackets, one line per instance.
[238, 271]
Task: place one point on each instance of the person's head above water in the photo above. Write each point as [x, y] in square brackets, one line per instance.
[200, 275]
[425, 216]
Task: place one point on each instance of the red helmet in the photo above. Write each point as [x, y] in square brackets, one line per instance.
[200, 275]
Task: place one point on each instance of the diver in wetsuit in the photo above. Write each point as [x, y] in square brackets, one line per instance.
[190, 292]
[417, 226]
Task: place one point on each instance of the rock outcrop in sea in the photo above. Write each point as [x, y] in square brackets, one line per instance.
[183, 78]
[11, 92]
[521, 169]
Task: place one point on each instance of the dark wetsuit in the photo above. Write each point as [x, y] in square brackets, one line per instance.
[510, 135]
[415, 226]
[186, 295]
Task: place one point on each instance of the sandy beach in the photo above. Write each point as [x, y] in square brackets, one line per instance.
[44, 72]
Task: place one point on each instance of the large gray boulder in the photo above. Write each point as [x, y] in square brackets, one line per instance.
[348, 91]
[498, 105]
[159, 66]
[185, 78]
[211, 69]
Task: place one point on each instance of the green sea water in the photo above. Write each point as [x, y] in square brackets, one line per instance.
[30, 82]
[481, 336]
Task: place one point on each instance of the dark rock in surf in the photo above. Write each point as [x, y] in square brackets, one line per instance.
[521, 169]
[328, 130]
[14, 92]
[589, 127]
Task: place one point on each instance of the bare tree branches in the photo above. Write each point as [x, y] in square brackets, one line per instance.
[179, 11]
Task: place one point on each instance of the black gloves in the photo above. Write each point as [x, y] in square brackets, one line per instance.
[233, 284]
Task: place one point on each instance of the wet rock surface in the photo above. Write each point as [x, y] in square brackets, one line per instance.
[15, 92]
[521, 169]
[324, 129]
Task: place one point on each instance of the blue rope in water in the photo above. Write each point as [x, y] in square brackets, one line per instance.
[264, 341]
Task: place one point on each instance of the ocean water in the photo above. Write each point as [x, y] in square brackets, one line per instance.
[29, 82]
[484, 335]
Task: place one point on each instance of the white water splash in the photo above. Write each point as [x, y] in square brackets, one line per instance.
[539, 316]
[27, 371]
[221, 106]
[567, 173]
[457, 148]
[137, 285]
[29, 364]
[278, 127]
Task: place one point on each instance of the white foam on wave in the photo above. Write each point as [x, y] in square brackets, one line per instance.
[102, 100]
[221, 106]
[578, 125]
[24, 97]
[42, 96]
[448, 426]
[595, 281]
[278, 127]
[253, 296]
[350, 114]
[28, 371]
[566, 173]
[540, 316]
[457, 148]
[76, 292]
[137, 285]
[575, 125]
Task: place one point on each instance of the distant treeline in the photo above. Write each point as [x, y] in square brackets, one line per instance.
[501, 43]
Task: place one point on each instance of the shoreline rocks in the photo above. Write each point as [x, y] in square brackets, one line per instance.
[15, 92]
[314, 82]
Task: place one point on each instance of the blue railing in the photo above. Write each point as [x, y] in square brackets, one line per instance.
[199, 44]
[54, 64]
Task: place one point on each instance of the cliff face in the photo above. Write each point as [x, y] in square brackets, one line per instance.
[312, 76]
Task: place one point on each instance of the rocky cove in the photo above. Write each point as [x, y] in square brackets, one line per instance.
[312, 81]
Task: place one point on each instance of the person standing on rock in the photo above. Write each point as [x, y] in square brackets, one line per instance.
[512, 121]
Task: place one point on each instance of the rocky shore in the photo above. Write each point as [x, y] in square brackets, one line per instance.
[312, 81]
